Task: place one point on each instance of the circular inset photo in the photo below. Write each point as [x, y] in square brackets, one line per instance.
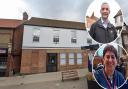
[110, 65]
[104, 20]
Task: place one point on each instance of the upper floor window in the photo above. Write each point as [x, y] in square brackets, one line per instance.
[36, 35]
[73, 37]
[116, 20]
[56, 36]
[121, 18]
[89, 41]
[125, 38]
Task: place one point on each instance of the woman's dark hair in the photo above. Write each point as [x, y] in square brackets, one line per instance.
[111, 49]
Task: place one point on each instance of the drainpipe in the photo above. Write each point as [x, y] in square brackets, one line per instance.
[9, 71]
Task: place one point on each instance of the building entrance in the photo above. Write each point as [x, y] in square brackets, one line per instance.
[51, 62]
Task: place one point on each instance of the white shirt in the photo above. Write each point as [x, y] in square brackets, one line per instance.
[105, 24]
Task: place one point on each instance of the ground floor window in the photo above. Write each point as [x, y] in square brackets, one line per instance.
[79, 58]
[71, 59]
[62, 58]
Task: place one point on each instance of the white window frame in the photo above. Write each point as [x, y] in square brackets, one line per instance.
[121, 18]
[73, 37]
[79, 59]
[71, 59]
[36, 33]
[89, 40]
[62, 58]
[116, 19]
[56, 37]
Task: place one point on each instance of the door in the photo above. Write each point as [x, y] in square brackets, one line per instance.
[51, 62]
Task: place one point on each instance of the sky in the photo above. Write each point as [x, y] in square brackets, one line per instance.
[70, 10]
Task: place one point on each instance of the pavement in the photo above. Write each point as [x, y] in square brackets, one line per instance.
[44, 81]
[76, 84]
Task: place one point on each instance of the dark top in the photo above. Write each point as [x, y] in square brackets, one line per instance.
[104, 81]
[101, 34]
[125, 86]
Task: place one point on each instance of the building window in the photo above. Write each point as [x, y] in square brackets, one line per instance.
[121, 18]
[116, 19]
[125, 38]
[79, 58]
[89, 41]
[62, 58]
[56, 39]
[73, 40]
[73, 37]
[36, 35]
[71, 59]
[56, 36]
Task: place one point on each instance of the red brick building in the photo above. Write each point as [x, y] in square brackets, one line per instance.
[90, 20]
[10, 46]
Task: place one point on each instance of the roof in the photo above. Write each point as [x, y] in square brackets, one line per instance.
[55, 23]
[10, 23]
[125, 31]
[92, 17]
[119, 13]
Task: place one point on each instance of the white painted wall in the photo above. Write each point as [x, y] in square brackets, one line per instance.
[46, 37]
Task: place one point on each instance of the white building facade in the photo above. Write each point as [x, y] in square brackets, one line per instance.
[53, 45]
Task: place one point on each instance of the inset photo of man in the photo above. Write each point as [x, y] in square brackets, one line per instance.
[102, 24]
[110, 71]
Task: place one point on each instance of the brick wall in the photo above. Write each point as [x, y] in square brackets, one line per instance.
[34, 60]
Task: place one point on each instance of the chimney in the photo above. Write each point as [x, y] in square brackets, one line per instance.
[25, 16]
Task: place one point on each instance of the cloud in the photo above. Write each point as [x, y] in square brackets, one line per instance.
[71, 10]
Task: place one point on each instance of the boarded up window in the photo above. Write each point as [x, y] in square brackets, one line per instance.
[35, 58]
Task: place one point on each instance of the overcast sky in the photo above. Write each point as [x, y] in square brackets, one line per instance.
[71, 10]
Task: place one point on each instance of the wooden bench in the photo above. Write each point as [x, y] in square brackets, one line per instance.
[70, 75]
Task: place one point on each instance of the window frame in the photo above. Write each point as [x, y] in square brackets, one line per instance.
[73, 37]
[36, 35]
[78, 58]
[63, 58]
[71, 59]
[56, 37]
